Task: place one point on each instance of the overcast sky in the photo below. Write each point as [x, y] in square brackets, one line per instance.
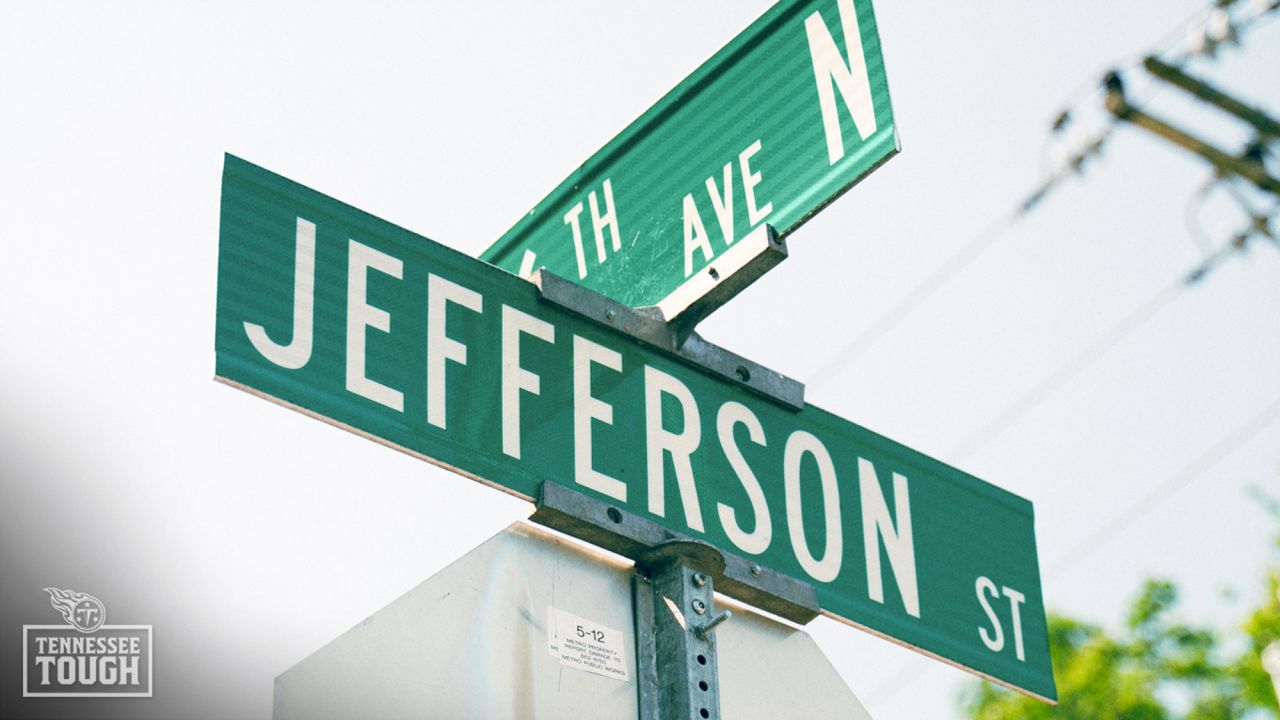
[1139, 418]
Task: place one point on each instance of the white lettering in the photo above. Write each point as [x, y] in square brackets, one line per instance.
[994, 640]
[361, 315]
[749, 182]
[695, 235]
[44, 662]
[66, 670]
[660, 441]
[877, 524]
[440, 347]
[87, 669]
[129, 671]
[600, 221]
[757, 541]
[109, 670]
[1015, 599]
[571, 219]
[298, 351]
[722, 203]
[587, 408]
[609, 219]
[527, 262]
[830, 69]
[515, 378]
[798, 445]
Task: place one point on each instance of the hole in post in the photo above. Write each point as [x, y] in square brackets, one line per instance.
[704, 713]
[614, 514]
[702, 659]
[702, 685]
[743, 373]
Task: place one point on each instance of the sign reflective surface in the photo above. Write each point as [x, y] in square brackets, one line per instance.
[365, 325]
[773, 127]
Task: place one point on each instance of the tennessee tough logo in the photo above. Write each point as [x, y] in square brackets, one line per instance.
[85, 657]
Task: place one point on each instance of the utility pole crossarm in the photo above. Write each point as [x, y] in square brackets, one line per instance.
[1264, 123]
[1225, 162]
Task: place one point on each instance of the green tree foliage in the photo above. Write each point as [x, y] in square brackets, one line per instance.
[1156, 668]
[1262, 629]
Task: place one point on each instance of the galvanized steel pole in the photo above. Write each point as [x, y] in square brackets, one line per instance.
[675, 645]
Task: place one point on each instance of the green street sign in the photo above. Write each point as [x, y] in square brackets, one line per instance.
[350, 319]
[777, 124]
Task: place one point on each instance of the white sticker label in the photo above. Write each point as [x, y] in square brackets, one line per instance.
[585, 645]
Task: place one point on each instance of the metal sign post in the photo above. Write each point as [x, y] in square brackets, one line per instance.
[673, 590]
[675, 647]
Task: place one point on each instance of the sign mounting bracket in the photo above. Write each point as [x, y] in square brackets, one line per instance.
[718, 283]
[627, 534]
[649, 326]
[673, 598]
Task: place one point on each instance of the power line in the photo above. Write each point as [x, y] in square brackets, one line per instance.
[1259, 225]
[888, 688]
[1144, 505]
[1028, 401]
[1170, 487]
[1131, 322]
[1191, 219]
[1099, 347]
[914, 299]
[955, 264]
[1083, 92]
